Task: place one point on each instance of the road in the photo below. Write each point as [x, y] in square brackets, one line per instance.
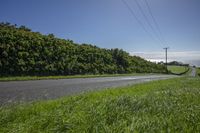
[25, 91]
[193, 73]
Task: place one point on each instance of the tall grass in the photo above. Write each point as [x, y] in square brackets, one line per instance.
[159, 106]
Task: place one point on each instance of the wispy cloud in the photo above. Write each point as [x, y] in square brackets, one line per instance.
[183, 56]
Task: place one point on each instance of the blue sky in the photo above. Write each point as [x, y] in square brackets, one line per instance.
[109, 23]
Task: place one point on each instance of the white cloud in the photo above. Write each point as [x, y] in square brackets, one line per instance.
[192, 57]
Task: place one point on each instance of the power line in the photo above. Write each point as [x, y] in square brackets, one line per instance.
[137, 19]
[154, 20]
[149, 23]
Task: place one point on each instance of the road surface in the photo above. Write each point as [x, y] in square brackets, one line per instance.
[25, 91]
[193, 73]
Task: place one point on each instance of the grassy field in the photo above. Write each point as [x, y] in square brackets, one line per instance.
[159, 106]
[21, 78]
[177, 69]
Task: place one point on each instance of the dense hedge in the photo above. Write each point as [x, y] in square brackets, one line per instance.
[24, 52]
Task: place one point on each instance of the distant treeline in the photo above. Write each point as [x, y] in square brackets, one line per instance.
[176, 63]
[24, 52]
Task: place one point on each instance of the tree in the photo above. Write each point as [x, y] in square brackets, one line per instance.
[24, 52]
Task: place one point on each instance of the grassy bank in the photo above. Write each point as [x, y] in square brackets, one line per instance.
[22, 78]
[160, 106]
[177, 69]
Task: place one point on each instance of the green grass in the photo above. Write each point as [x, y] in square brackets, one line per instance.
[20, 78]
[188, 73]
[177, 69]
[159, 106]
[198, 71]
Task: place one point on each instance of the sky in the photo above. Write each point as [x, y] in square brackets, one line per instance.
[111, 24]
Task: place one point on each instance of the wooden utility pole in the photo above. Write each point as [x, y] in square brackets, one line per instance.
[166, 58]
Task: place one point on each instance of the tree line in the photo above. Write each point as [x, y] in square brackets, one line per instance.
[176, 63]
[24, 52]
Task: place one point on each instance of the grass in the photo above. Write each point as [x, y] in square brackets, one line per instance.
[158, 106]
[177, 69]
[188, 73]
[198, 71]
[21, 78]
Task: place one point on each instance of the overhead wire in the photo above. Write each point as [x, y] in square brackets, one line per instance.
[160, 36]
[149, 22]
[137, 19]
[154, 20]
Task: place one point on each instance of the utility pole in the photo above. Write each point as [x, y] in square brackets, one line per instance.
[166, 57]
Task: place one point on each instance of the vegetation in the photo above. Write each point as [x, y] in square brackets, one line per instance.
[198, 71]
[24, 52]
[177, 69]
[189, 72]
[159, 106]
[19, 78]
[176, 63]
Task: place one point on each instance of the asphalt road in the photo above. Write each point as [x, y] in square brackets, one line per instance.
[193, 73]
[25, 91]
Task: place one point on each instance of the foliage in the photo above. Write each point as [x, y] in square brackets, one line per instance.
[159, 106]
[176, 63]
[198, 71]
[24, 52]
